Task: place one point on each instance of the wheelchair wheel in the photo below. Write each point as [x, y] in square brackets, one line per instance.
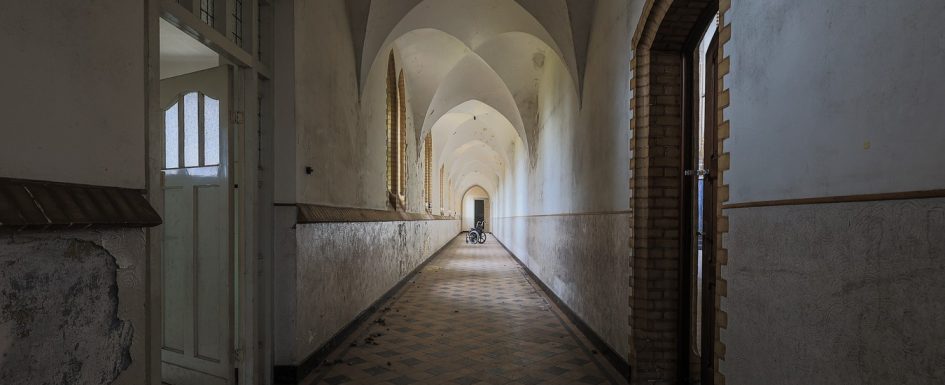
[472, 237]
[482, 238]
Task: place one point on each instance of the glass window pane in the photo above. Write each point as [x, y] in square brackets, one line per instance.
[211, 135]
[190, 131]
[171, 155]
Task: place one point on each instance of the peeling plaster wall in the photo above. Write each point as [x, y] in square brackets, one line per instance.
[584, 259]
[72, 307]
[836, 294]
[843, 293]
[342, 268]
[74, 71]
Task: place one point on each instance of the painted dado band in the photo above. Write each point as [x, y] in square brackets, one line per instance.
[31, 204]
[308, 213]
[928, 194]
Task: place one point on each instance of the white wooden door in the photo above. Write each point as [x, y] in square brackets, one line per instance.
[197, 346]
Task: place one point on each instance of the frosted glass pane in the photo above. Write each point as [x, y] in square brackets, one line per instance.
[171, 156]
[211, 134]
[191, 141]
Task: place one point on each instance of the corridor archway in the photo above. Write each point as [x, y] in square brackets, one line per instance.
[477, 206]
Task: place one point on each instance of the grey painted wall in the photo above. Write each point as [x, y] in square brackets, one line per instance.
[72, 307]
[836, 294]
[75, 77]
[835, 98]
[838, 97]
[342, 268]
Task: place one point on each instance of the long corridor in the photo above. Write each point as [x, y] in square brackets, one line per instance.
[471, 316]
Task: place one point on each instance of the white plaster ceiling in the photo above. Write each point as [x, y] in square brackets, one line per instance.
[182, 54]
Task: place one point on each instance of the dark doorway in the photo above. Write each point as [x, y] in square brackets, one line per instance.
[479, 212]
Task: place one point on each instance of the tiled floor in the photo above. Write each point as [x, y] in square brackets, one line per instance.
[470, 317]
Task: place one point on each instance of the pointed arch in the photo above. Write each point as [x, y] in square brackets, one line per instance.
[393, 111]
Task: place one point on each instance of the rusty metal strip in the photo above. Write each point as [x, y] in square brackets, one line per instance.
[30, 204]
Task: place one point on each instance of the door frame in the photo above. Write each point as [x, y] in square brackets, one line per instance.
[658, 245]
[248, 147]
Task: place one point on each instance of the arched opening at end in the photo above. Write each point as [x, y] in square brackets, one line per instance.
[476, 206]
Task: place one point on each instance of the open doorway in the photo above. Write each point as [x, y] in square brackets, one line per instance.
[700, 174]
[674, 192]
[476, 207]
[198, 279]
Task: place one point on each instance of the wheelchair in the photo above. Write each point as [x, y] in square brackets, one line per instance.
[477, 234]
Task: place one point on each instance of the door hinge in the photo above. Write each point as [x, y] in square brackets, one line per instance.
[237, 117]
[700, 172]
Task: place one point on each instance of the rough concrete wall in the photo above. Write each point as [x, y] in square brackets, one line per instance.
[836, 294]
[345, 267]
[72, 308]
[75, 71]
[584, 259]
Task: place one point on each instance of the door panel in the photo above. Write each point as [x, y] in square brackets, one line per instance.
[197, 263]
[710, 214]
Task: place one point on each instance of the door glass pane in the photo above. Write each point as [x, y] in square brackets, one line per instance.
[171, 144]
[190, 131]
[211, 135]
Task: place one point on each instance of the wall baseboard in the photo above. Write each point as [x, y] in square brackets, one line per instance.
[293, 374]
[614, 358]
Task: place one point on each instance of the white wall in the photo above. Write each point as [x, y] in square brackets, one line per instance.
[582, 167]
[74, 92]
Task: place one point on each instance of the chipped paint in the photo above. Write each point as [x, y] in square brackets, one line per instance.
[62, 318]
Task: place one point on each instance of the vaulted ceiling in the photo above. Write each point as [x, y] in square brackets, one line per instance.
[477, 73]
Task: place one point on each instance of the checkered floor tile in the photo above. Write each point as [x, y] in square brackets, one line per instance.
[471, 316]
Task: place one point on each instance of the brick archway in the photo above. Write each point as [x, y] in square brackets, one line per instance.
[664, 33]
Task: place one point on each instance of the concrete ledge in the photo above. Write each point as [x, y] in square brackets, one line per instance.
[44, 205]
[308, 213]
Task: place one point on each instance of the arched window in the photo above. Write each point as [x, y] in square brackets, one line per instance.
[393, 128]
[427, 172]
[396, 135]
[442, 181]
[402, 134]
[192, 132]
